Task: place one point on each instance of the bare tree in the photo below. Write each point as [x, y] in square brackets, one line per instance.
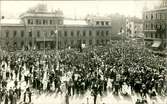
[38, 8]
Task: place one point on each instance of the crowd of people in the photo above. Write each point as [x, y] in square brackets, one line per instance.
[119, 68]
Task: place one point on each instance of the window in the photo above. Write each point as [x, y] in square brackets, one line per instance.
[146, 26]
[22, 33]
[39, 21]
[65, 33]
[38, 33]
[7, 34]
[152, 26]
[22, 44]
[30, 44]
[107, 23]
[46, 22]
[102, 23]
[97, 23]
[90, 42]
[28, 21]
[90, 33]
[36, 21]
[102, 33]
[14, 33]
[146, 16]
[84, 33]
[52, 33]
[107, 33]
[151, 16]
[72, 42]
[97, 33]
[31, 21]
[51, 22]
[156, 36]
[84, 41]
[30, 33]
[160, 16]
[151, 35]
[72, 33]
[78, 33]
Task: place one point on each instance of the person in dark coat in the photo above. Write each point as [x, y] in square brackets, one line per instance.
[19, 92]
[6, 98]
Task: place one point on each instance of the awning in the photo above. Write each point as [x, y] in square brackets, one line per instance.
[156, 44]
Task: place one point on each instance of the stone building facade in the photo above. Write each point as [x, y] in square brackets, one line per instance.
[50, 30]
[155, 27]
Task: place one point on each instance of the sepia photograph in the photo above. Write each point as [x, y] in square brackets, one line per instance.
[83, 51]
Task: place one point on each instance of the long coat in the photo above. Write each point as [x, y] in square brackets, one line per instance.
[6, 99]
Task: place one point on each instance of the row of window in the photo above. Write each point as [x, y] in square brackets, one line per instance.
[15, 44]
[66, 42]
[102, 33]
[152, 16]
[78, 33]
[102, 23]
[153, 26]
[44, 22]
[15, 33]
[154, 35]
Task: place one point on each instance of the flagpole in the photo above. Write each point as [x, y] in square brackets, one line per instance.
[44, 42]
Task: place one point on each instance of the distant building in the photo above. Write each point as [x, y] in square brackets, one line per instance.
[155, 27]
[134, 27]
[118, 23]
[48, 30]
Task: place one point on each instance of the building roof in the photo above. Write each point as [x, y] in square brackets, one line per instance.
[103, 18]
[41, 14]
[11, 22]
[157, 9]
[72, 22]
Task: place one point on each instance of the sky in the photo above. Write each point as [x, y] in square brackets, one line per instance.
[79, 9]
